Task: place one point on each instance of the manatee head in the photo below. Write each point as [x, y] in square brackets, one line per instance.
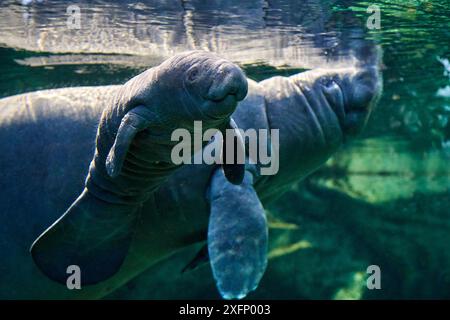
[340, 101]
[190, 86]
[352, 94]
[316, 112]
[195, 85]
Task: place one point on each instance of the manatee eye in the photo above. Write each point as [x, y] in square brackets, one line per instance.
[193, 74]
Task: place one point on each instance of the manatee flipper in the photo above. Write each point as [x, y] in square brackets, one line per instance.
[137, 119]
[93, 233]
[235, 170]
[237, 236]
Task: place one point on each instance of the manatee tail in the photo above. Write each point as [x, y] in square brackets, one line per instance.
[237, 236]
[91, 234]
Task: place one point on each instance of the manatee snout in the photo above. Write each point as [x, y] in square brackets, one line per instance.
[229, 80]
[228, 87]
[365, 88]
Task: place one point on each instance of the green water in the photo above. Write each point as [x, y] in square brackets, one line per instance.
[383, 199]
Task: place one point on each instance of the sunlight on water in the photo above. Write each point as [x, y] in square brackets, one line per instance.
[380, 170]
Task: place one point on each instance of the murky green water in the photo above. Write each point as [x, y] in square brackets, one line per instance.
[384, 199]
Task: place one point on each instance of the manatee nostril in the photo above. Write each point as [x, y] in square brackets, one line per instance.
[231, 81]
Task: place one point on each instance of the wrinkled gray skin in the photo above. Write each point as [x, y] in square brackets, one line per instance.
[47, 139]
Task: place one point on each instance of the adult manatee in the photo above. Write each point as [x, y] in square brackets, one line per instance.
[44, 169]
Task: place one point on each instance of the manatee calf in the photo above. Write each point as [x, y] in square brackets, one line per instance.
[133, 157]
[48, 138]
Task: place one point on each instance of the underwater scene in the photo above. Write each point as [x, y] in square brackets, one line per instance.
[359, 207]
